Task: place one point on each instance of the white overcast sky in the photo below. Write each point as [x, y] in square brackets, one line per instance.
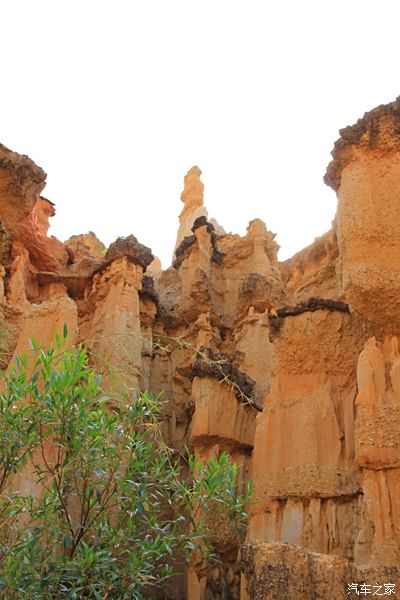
[117, 99]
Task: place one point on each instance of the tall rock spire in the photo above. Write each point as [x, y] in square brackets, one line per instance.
[193, 200]
[193, 192]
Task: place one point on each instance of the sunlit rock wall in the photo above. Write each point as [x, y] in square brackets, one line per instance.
[292, 368]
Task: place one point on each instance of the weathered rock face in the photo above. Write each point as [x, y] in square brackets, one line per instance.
[313, 271]
[277, 571]
[365, 172]
[292, 368]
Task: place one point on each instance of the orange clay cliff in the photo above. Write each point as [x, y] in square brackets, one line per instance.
[293, 368]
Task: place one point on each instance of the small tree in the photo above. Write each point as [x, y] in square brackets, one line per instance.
[115, 510]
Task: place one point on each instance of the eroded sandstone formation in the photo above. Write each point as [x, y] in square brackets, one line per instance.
[293, 368]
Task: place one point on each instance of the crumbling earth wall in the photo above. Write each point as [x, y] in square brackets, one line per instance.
[293, 368]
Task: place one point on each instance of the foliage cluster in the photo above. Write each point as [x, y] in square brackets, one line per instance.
[93, 504]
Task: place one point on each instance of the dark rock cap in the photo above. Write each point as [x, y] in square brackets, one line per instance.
[132, 249]
[25, 175]
[378, 128]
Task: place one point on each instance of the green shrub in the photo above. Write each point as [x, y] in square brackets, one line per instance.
[115, 511]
